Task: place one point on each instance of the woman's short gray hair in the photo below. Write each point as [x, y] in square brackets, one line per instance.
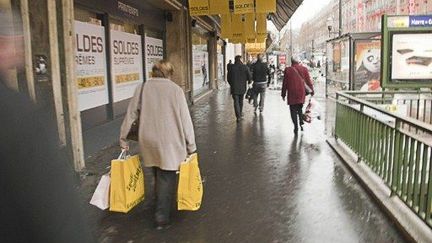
[162, 69]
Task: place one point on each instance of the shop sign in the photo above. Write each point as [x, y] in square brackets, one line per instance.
[258, 48]
[249, 27]
[261, 26]
[199, 7]
[226, 26]
[420, 21]
[128, 9]
[398, 22]
[153, 53]
[219, 7]
[265, 6]
[244, 6]
[126, 64]
[90, 58]
[237, 28]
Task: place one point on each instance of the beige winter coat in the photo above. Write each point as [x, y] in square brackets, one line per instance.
[166, 133]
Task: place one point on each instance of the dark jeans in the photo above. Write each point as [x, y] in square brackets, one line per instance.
[296, 115]
[165, 187]
[238, 104]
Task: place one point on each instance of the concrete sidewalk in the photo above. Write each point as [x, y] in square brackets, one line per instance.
[261, 185]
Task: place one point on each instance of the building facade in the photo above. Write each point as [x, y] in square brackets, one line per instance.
[84, 59]
[357, 16]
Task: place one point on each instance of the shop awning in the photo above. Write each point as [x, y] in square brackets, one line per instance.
[284, 10]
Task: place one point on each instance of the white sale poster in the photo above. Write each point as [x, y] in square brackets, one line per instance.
[126, 64]
[90, 58]
[153, 53]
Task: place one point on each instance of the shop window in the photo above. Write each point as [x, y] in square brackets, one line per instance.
[200, 59]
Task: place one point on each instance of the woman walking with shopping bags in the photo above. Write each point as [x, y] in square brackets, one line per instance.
[159, 113]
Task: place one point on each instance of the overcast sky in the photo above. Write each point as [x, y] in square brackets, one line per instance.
[306, 11]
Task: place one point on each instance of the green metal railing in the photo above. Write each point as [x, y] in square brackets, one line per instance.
[397, 148]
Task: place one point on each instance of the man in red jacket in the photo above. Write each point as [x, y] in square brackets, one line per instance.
[295, 79]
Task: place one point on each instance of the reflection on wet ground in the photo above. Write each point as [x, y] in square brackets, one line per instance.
[262, 184]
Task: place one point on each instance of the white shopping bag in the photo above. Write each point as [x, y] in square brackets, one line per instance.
[100, 197]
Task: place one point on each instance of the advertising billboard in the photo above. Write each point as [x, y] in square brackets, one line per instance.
[407, 51]
[337, 57]
[367, 61]
[411, 56]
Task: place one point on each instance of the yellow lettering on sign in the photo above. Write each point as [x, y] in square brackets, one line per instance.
[90, 82]
[199, 7]
[219, 7]
[265, 6]
[244, 6]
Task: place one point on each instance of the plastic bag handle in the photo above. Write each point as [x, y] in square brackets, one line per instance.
[123, 155]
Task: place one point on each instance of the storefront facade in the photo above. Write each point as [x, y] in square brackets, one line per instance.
[128, 39]
[86, 63]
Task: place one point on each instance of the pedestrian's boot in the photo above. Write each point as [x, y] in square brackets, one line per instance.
[162, 225]
[161, 222]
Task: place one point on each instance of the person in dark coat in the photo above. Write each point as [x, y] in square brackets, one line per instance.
[39, 200]
[238, 77]
[229, 65]
[261, 79]
[295, 79]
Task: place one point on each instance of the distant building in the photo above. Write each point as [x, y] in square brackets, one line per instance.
[357, 16]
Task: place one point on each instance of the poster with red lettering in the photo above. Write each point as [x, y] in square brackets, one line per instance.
[126, 64]
[90, 58]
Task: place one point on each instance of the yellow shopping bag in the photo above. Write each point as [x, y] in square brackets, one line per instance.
[127, 183]
[190, 188]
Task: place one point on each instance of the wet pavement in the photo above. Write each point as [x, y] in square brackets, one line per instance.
[261, 185]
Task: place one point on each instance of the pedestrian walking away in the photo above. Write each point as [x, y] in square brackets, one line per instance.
[229, 65]
[261, 79]
[296, 83]
[238, 78]
[165, 135]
